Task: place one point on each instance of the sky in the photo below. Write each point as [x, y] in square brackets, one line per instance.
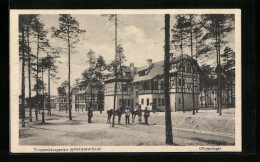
[141, 36]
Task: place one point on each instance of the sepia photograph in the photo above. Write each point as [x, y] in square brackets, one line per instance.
[125, 80]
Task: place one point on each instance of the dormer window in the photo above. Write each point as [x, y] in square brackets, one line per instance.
[142, 73]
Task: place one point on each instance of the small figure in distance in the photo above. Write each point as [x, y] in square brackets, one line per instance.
[146, 116]
[127, 114]
[90, 114]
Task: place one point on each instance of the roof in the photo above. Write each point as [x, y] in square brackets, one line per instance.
[155, 70]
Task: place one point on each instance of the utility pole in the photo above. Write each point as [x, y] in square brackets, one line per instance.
[168, 121]
[115, 68]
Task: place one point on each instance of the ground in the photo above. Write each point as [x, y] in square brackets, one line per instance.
[204, 128]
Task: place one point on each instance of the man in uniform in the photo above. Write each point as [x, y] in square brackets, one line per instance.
[146, 115]
[127, 114]
[90, 114]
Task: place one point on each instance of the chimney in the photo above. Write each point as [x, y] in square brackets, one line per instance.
[149, 62]
[132, 66]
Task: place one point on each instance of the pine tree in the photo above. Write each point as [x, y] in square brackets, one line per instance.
[168, 121]
[42, 44]
[180, 30]
[217, 27]
[68, 31]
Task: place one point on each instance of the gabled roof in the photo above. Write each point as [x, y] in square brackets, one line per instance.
[156, 69]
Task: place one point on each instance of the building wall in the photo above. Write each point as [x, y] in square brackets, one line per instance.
[145, 98]
[172, 102]
[188, 101]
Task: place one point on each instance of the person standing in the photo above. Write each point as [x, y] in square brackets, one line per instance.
[90, 114]
[146, 116]
[127, 114]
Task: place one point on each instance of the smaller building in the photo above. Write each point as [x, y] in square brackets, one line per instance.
[83, 97]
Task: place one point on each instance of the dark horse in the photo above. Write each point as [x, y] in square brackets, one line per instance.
[135, 112]
[118, 112]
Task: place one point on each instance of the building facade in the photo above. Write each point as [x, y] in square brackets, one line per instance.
[83, 97]
[145, 85]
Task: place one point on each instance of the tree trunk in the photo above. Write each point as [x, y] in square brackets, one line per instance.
[78, 102]
[196, 41]
[49, 92]
[23, 83]
[29, 72]
[168, 121]
[114, 107]
[85, 100]
[70, 116]
[182, 95]
[219, 80]
[43, 121]
[37, 77]
[205, 96]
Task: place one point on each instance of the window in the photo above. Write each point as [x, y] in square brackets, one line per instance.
[154, 101]
[129, 103]
[188, 67]
[212, 92]
[179, 100]
[163, 103]
[147, 102]
[142, 101]
[124, 88]
[162, 85]
[142, 73]
[155, 85]
[183, 82]
[159, 102]
[183, 68]
[147, 85]
[136, 93]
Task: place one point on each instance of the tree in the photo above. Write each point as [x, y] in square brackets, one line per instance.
[52, 70]
[191, 24]
[111, 18]
[168, 121]
[62, 92]
[180, 34]
[68, 31]
[22, 22]
[44, 64]
[206, 80]
[101, 63]
[229, 58]
[120, 59]
[78, 83]
[25, 30]
[42, 43]
[217, 27]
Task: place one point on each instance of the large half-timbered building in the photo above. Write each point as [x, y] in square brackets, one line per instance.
[145, 85]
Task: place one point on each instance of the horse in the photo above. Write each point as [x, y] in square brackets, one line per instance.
[135, 112]
[118, 112]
